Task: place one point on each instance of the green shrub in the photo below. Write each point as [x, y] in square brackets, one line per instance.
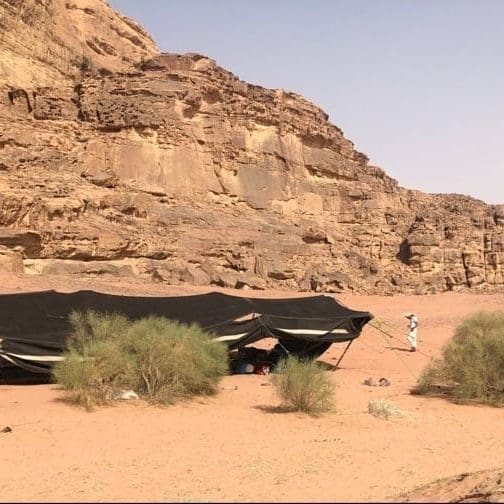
[472, 363]
[303, 386]
[159, 359]
[92, 327]
[174, 360]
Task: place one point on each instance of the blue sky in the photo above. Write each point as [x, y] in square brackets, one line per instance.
[417, 85]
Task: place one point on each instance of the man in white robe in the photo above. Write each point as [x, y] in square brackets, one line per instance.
[412, 331]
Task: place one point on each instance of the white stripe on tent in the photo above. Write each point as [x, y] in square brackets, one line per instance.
[312, 331]
[7, 358]
[36, 358]
[230, 337]
[248, 316]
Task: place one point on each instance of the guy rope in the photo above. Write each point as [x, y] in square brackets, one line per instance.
[377, 325]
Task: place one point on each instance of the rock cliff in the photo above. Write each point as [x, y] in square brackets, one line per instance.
[116, 159]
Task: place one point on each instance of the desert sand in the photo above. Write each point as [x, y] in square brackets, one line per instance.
[235, 446]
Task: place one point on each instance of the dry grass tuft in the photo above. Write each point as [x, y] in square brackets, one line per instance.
[303, 386]
[383, 408]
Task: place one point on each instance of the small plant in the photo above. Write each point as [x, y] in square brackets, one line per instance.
[472, 363]
[383, 409]
[159, 359]
[303, 386]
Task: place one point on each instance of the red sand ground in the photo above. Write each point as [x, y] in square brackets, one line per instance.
[233, 447]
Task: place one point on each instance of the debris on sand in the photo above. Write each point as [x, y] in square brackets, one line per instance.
[382, 382]
[125, 395]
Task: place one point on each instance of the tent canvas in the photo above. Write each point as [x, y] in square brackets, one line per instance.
[34, 326]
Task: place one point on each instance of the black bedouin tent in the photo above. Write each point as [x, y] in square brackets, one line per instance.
[34, 326]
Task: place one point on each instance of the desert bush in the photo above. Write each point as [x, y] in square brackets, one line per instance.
[174, 360]
[93, 327]
[92, 367]
[303, 386]
[159, 359]
[472, 363]
[383, 408]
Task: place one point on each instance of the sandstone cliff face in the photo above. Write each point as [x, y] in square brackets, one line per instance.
[49, 42]
[118, 160]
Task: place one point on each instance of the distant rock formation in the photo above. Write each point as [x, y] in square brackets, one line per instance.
[118, 160]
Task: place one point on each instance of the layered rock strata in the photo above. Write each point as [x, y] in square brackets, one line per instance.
[118, 160]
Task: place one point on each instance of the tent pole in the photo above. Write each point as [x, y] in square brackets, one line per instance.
[343, 354]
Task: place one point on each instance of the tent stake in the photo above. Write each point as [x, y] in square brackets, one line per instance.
[343, 354]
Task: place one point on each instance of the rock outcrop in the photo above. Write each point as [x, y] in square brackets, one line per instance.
[480, 486]
[118, 160]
